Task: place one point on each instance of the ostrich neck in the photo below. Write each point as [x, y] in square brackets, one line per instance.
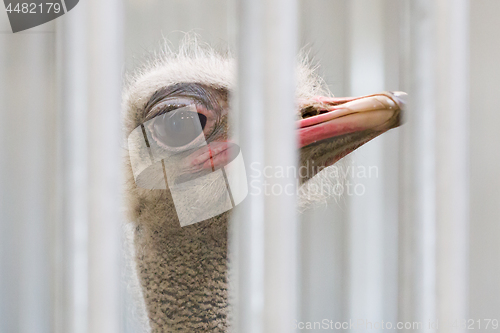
[183, 272]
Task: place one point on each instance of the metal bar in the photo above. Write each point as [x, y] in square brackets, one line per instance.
[418, 221]
[105, 44]
[484, 266]
[247, 225]
[27, 178]
[452, 156]
[433, 275]
[264, 227]
[280, 151]
[72, 309]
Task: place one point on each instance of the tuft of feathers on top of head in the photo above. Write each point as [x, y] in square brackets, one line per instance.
[196, 61]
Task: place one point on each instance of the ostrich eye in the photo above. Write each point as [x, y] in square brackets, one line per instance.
[179, 127]
[182, 119]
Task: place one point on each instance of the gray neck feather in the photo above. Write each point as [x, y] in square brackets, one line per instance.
[183, 271]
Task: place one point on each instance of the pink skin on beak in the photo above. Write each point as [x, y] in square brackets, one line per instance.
[339, 116]
[212, 156]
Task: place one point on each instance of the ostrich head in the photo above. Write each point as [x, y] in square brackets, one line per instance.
[183, 270]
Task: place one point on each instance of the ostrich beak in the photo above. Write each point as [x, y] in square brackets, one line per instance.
[339, 116]
[348, 119]
[342, 124]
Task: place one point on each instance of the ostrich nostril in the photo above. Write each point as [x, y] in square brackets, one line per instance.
[309, 111]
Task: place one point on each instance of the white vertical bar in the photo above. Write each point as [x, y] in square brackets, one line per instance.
[452, 154]
[27, 178]
[73, 106]
[248, 220]
[280, 152]
[266, 224]
[418, 211]
[484, 266]
[435, 208]
[105, 44]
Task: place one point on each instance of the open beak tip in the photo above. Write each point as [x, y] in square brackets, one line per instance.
[401, 98]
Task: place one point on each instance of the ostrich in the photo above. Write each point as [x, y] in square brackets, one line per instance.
[182, 271]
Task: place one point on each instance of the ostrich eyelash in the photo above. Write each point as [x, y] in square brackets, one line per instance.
[183, 94]
[170, 107]
[167, 105]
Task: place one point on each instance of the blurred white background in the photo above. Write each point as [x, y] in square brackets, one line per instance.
[421, 240]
